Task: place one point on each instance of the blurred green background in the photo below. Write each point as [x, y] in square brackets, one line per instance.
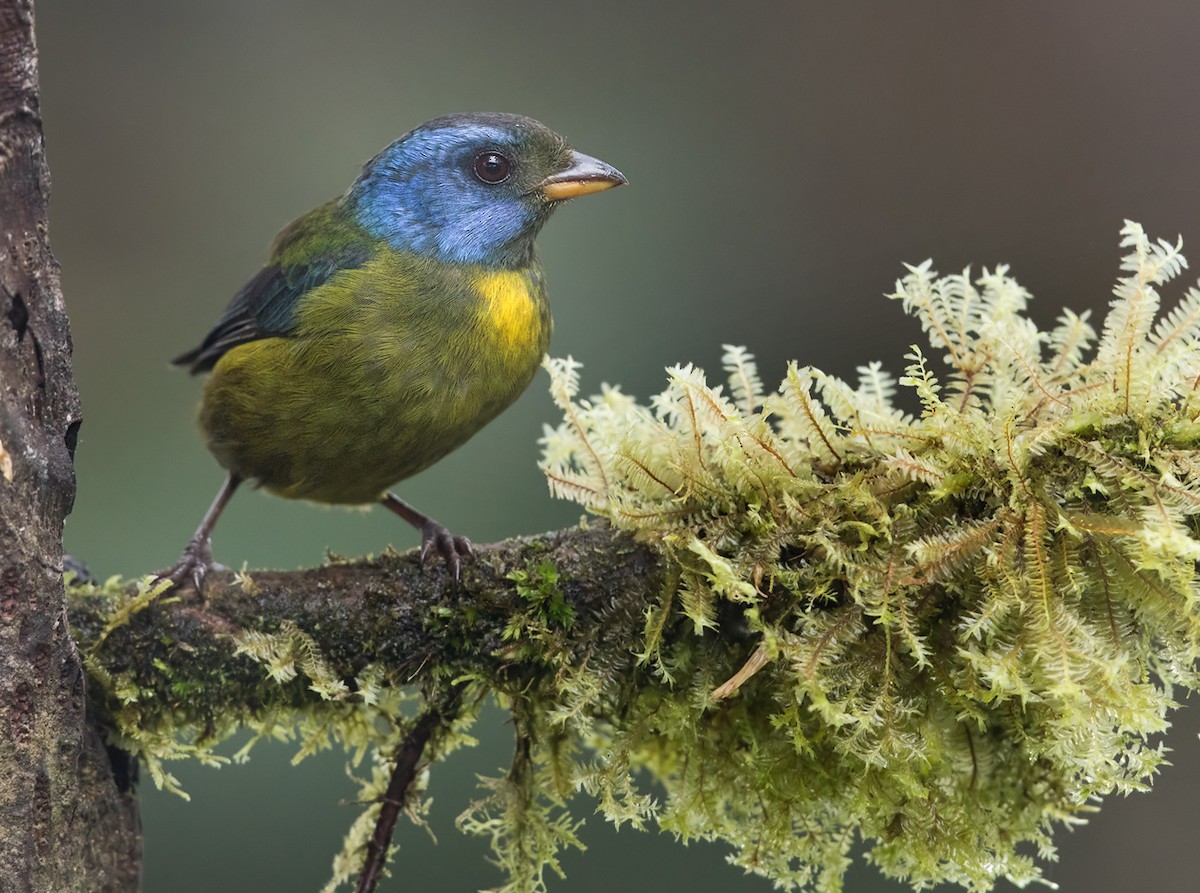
[784, 159]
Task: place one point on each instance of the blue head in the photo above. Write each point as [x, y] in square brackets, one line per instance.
[473, 188]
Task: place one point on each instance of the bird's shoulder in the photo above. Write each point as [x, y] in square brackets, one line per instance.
[306, 254]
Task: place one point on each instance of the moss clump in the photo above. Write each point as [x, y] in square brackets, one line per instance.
[941, 634]
[538, 585]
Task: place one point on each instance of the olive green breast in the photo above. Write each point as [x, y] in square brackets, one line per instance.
[391, 366]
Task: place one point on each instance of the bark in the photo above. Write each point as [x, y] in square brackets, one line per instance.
[64, 824]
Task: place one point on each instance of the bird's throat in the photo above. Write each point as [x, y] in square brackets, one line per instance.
[513, 307]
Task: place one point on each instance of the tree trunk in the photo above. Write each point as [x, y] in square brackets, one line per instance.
[64, 823]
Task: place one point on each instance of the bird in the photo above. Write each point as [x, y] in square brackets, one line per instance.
[388, 325]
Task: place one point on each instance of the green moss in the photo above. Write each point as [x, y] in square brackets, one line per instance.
[538, 585]
[943, 634]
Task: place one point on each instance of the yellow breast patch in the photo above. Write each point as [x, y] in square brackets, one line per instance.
[509, 308]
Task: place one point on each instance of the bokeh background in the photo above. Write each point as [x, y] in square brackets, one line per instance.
[784, 159]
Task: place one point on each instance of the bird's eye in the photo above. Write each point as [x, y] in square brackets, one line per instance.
[492, 167]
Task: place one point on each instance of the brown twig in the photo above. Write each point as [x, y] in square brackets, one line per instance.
[404, 770]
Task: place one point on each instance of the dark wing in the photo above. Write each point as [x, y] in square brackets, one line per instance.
[306, 254]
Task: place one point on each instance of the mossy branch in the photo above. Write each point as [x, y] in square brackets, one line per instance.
[334, 656]
[174, 659]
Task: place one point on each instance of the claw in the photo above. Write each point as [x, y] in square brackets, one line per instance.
[433, 535]
[191, 568]
[452, 548]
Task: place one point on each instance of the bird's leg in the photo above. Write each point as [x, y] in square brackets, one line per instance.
[433, 535]
[197, 558]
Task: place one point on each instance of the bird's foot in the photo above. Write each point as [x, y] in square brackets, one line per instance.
[452, 548]
[433, 536]
[191, 568]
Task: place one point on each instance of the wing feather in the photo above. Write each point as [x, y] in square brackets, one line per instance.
[306, 254]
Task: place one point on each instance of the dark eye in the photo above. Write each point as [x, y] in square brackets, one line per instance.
[492, 167]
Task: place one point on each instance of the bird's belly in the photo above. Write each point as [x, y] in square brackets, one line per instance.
[340, 418]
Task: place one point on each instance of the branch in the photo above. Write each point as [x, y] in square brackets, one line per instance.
[336, 653]
[177, 653]
[404, 772]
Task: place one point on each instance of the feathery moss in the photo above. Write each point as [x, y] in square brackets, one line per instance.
[943, 634]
